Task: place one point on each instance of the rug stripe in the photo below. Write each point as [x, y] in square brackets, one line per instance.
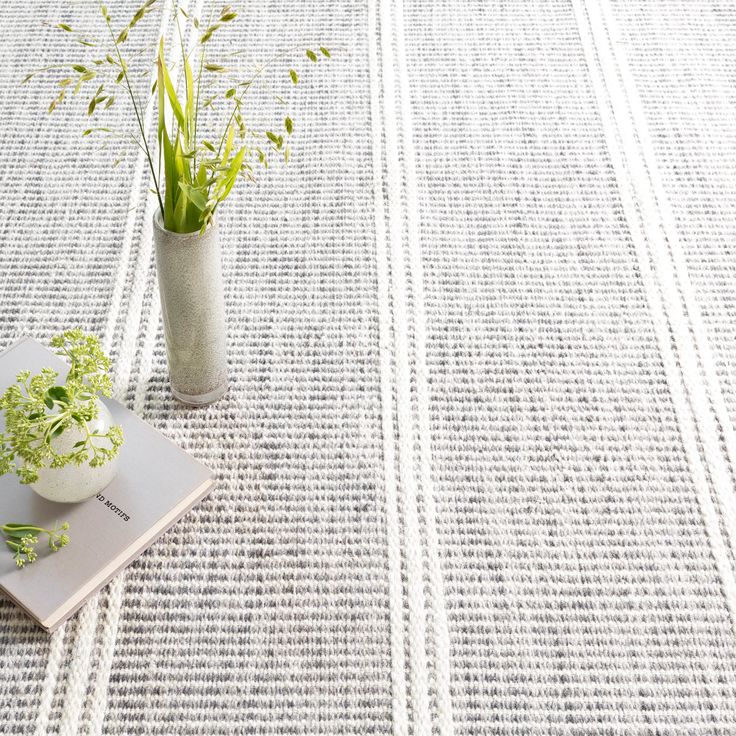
[440, 629]
[51, 678]
[632, 129]
[79, 668]
[676, 267]
[141, 167]
[417, 637]
[98, 701]
[683, 413]
[393, 533]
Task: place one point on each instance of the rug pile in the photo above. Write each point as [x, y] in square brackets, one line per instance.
[477, 465]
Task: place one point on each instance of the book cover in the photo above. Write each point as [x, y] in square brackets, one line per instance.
[156, 485]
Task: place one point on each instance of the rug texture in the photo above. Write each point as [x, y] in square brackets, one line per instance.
[476, 467]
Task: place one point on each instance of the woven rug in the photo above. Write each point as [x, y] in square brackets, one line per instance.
[476, 467]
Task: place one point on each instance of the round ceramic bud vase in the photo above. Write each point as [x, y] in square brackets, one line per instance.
[193, 306]
[74, 483]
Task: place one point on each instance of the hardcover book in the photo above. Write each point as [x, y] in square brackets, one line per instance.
[157, 483]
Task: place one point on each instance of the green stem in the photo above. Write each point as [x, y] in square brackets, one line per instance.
[137, 115]
[196, 110]
[238, 101]
[184, 58]
[15, 529]
[248, 84]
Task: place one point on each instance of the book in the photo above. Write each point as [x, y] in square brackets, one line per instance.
[156, 484]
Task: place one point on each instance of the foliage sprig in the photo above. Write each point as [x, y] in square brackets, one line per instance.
[38, 410]
[22, 539]
[199, 171]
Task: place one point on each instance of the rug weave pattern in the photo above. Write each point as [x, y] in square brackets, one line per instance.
[477, 465]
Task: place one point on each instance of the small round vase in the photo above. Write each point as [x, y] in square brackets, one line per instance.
[74, 483]
[193, 307]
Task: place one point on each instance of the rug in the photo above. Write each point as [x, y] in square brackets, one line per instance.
[476, 469]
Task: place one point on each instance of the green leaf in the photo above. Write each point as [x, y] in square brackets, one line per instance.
[232, 174]
[189, 108]
[324, 51]
[228, 144]
[59, 393]
[182, 169]
[160, 83]
[194, 195]
[21, 531]
[170, 89]
[311, 55]
[138, 15]
[208, 146]
[170, 177]
[180, 212]
[289, 125]
[49, 402]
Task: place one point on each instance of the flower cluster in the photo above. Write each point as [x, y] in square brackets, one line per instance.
[38, 410]
[22, 539]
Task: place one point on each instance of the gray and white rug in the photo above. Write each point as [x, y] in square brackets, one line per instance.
[477, 462]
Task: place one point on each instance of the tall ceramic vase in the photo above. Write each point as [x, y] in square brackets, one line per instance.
[193, 306]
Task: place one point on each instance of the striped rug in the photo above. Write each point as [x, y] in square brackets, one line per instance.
[477, 464]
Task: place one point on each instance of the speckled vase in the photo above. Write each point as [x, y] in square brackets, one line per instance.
[74, 483]
[193, 306]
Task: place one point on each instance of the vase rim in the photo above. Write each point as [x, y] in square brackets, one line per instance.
[158, 223]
